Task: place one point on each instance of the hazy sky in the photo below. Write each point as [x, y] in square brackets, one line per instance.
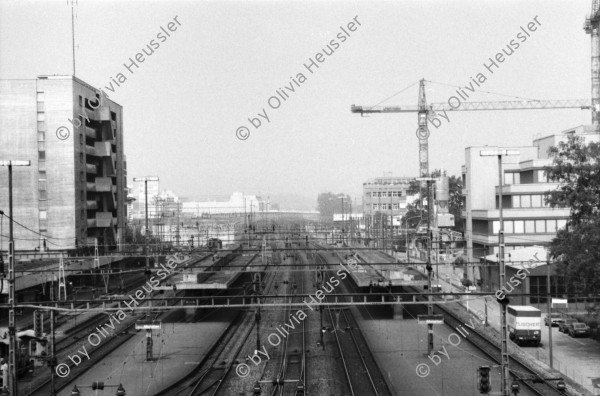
[225, 61]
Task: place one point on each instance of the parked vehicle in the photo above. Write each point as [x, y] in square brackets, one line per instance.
[524, 324]
[564, 326]
[556, 319]
[579, 329]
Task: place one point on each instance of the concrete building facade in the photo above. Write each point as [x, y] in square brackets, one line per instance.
[74, 192]
[528, 220]
[386, 194]
[384, 203]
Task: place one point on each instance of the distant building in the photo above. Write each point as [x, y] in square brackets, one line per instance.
[74, 192]
[384, 203]
[528, 220]
[137, 208]
[238, 203]
[386, 194]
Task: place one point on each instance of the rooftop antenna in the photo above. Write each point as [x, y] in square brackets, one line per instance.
[73, 3]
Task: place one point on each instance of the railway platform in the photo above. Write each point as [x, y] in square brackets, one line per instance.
[178, 350]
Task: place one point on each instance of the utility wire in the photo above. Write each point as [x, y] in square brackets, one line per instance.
[397, 93]
[488, 92]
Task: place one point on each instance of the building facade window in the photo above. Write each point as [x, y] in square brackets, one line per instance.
[519, 227]
[529, 227]
[512, 178]
[551, 226]
[528, 201]
[540, 226]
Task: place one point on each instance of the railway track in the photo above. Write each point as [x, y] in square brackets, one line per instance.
[219, 365]
[361, 371]
[209, 377]
[291, 377]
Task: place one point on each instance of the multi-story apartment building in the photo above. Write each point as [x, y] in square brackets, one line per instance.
[73, 193]
[528, 220]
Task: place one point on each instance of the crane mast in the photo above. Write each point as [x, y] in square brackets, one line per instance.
[591, 25]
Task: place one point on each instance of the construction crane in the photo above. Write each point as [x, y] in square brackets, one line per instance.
[428, 111]
[591, 25]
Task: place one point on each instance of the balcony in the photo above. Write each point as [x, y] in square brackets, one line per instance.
[104, 112]
[521, 213]
[110, 166]
[91, 169]
[103, 149]
[532, 188]
[104, 219]
[103, 184]
[514, 239]
[90, 132]
[91, 205]
[537, 164]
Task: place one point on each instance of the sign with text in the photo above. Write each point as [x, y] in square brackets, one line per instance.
[559, 303]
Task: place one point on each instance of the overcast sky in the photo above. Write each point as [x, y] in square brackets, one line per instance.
[226, 59]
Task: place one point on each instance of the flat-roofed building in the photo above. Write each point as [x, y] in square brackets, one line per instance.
[384, 203]
[74, 192]
[528, 219]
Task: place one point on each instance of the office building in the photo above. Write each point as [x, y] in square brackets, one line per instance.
[528, 219]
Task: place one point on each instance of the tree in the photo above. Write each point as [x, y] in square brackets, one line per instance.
[576, 168]
[455, 203]
[329, 203]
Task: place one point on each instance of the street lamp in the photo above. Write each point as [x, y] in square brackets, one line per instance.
[12, 348]
[147, 272]
[146, 180]
[502, 270]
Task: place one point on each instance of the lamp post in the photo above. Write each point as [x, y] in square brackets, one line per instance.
[429, 268]
[549, 306]
[380, 230]
[343, 221]
[12, 343]
[147, 272]
[146, 180]
[505, 377]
